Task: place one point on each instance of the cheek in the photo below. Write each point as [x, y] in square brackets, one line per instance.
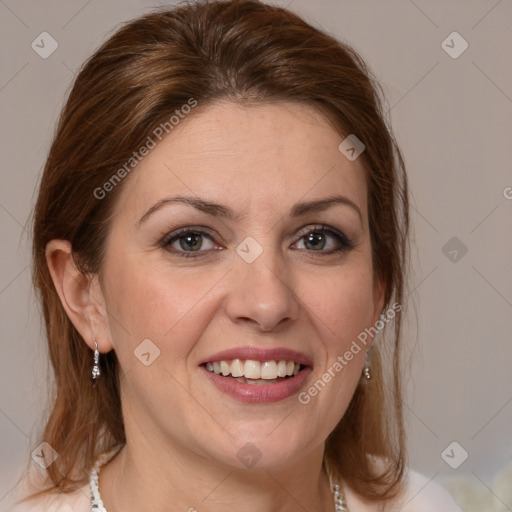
[341, 310]
[342, 304]
[149, 301]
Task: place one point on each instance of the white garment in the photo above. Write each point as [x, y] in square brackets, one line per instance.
[422, 495]
[425, 495]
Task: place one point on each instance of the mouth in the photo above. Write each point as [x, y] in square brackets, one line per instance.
[254, 372]
[254, 375]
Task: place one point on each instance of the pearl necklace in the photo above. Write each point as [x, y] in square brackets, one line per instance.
[340, 504]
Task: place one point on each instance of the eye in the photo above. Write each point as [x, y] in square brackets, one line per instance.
[317, 240]
[188, 241]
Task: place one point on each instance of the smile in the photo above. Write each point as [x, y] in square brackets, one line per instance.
[255, 372]
[257, 375]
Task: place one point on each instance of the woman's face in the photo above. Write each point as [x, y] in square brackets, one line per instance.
[238, 277]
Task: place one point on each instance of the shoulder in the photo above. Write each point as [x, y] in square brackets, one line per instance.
[21, 498]
[420, 494]
[424, 494]
[51, 501]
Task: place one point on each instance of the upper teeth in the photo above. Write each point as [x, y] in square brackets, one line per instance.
[251, 369]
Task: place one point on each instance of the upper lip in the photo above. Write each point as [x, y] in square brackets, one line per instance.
[259, 354]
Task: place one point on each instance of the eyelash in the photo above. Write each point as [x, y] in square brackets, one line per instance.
[345, 243]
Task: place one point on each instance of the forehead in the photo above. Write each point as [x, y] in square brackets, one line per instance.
[261, 156]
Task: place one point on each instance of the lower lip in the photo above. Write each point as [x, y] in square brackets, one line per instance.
[259, 394]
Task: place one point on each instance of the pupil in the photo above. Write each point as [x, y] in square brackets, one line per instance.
[192, 245]
[314, 237]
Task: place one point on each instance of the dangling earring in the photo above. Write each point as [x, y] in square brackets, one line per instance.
[96, 368]
[366, 371]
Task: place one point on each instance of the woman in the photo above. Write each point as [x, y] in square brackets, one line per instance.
[220, 246]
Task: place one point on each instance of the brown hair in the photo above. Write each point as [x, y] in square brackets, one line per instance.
[243, 51]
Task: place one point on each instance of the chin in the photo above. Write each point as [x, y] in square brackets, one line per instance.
[263, 451]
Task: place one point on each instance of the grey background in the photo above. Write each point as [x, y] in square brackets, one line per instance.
[453, 121]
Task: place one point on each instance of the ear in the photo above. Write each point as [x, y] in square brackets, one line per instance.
[81, 295]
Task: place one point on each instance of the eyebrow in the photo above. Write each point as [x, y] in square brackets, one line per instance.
[297, 210]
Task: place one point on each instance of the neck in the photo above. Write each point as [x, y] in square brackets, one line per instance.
[145, 477]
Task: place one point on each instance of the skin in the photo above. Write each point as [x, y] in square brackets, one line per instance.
[183, 434]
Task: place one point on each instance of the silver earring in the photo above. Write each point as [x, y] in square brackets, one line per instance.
[96, 368]
[366, 371]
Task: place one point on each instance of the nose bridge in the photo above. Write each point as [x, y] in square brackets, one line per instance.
[263, 291]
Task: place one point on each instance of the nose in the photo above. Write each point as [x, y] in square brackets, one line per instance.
[262, 294]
